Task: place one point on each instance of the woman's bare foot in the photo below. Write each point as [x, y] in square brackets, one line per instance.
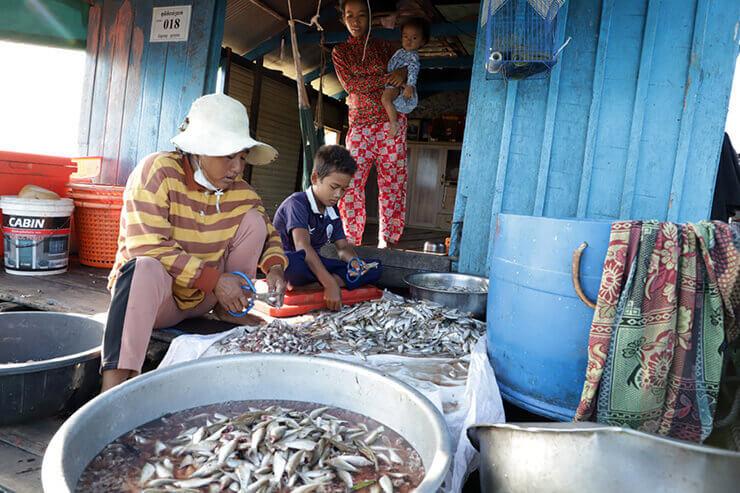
[392, 129]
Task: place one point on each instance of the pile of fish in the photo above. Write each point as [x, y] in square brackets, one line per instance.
[274, 337]
[400, 326]
[383, 326]
[278, 449]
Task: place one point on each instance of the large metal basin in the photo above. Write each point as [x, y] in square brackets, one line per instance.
[438, 287]
[244, 377]
[49, 363]
[568, 457]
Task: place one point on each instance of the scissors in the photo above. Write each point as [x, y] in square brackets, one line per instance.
[356, 268]
[271, 298]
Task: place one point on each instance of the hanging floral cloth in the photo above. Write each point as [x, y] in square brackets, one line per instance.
[665, 316]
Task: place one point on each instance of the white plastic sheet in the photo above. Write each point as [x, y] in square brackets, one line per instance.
[463, 399]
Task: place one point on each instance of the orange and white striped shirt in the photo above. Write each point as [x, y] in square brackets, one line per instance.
[166, 215]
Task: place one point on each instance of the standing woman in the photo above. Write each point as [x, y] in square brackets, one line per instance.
[360, 64]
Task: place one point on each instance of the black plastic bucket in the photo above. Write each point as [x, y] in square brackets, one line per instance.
[49, 364]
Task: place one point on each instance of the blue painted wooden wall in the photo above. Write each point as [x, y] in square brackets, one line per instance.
[628, 125]
[137, 93]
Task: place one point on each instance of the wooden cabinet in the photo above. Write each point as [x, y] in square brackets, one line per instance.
[433, 170]
[432, 173]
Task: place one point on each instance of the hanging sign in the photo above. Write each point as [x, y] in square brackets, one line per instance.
[170, 24]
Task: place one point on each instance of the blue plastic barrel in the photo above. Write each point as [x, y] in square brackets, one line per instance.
[537, 326]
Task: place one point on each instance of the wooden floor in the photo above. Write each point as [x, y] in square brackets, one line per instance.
[81, 290]
[413, 238]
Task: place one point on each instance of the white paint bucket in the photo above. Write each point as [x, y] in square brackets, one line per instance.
[36, 235]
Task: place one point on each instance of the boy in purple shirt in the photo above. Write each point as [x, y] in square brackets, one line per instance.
[308, 220]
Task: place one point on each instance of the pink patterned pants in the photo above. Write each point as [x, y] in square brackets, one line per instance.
[370, 145]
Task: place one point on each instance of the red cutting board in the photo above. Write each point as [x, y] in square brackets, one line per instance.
[302, 302]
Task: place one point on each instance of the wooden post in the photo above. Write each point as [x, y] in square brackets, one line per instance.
[254, 107]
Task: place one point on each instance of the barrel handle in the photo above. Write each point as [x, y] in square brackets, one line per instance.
[576, 275]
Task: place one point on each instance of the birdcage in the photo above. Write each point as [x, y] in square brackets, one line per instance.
[521, 38]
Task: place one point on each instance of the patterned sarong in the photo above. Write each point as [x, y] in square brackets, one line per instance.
[665, 315]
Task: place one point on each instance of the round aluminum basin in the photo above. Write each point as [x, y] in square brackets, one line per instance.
[48, 363]
[566, 457]
[439, 287]
[247, 377]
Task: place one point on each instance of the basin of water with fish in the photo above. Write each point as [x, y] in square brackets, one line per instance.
[253, 423]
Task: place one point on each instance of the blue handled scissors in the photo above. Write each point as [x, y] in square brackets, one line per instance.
[356, 267]
[272, 299]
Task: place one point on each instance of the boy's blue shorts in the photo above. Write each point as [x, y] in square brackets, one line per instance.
[299, 274]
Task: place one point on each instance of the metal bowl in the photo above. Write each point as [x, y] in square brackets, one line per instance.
[48, 363]
[438, 287]
[246, 377]
[565, 457]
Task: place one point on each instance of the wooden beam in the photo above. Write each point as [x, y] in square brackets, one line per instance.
[268, 10]
[254, 108]
[437, 30]
[273, 43]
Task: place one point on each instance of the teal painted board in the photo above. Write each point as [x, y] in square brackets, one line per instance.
[629, 125]
[137, 93]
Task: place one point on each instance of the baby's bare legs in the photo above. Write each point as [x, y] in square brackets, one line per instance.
[389, 95]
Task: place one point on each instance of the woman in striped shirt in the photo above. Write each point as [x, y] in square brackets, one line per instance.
[189, 219]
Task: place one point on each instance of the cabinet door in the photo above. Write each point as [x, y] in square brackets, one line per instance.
[426, 191]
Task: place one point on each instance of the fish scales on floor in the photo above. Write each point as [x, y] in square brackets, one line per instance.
[413, 328]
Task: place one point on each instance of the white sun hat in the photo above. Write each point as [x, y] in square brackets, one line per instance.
[218, 125]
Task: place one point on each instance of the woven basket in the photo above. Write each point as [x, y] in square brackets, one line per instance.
[97, 217]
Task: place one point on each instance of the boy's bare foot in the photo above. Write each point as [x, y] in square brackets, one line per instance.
[392, 129]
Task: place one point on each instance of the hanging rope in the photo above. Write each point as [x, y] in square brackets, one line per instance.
[320, 101]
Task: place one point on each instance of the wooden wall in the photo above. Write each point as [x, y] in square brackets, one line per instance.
[276, 123]
[137, 93]
[628, 125]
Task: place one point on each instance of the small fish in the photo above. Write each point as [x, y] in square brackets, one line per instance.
[257, 485]
[307, 488]
[198, 435]
[194, 483]
[146, 473]
[340, 464]
[346, 477]
[257, 437]
[300, 445]
[385, 484]
[226, 450]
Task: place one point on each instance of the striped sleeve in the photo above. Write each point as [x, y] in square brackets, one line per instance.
[148, 231]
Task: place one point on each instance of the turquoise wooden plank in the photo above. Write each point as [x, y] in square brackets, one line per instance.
[689, 109]
[503, 154]
[549, 131]
[617, 107]
[133, 108]
[214, 54]
[101, 83]
[573, 107]
[664, 105]
[91, 63]
[528, 125]
[718, 58]
[639, 106]
[155, 64]
[625, 114]
[120, 35]
[478, 163]
[593, 117]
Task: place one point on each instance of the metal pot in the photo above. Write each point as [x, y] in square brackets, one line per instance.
[434, 247]
[438, 288]
[565, 457]
[246, 377]
[48, 363]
